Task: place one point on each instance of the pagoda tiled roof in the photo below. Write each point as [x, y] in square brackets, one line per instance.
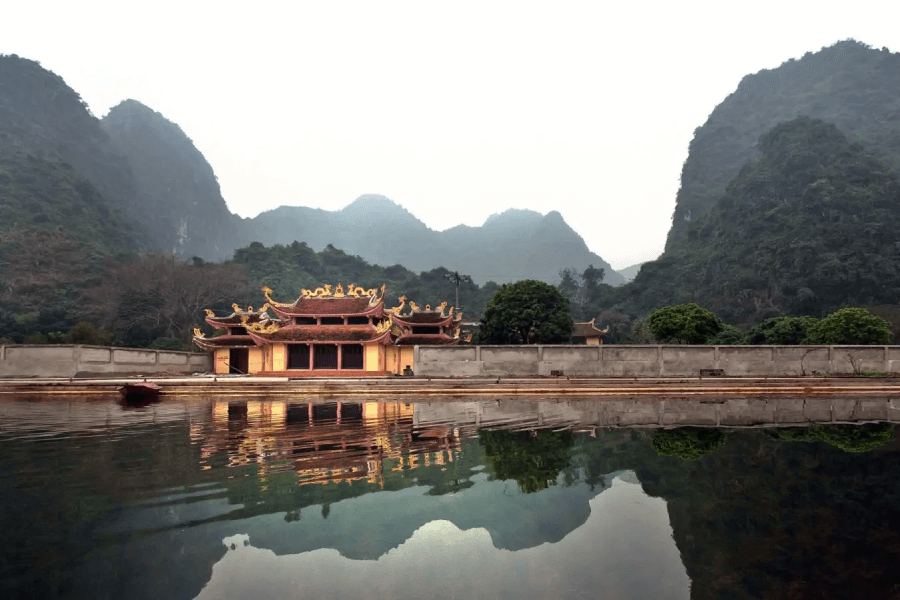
[432, 318]
[235, 319]
[330, 307]
[431, 339]
[224, 341]
[588, 329]
[322, 333]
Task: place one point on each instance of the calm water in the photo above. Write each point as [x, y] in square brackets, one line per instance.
[227, 498]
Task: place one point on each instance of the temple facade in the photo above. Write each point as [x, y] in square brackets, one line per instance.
[325, 333]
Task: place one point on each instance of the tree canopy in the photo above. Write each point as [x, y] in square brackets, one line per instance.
[850, 326]
[526, 312]
[684, 324]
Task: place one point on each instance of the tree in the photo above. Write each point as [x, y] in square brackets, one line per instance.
[784, 331]
[583, 289]
[154, 297]
[526, 312]
[684, 324]
[850, 326]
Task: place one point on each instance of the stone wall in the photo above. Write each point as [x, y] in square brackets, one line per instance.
[650, 361]
[72, 360]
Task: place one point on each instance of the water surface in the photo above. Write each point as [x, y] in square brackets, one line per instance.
[234, 498]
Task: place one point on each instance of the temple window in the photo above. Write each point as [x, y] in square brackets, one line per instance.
[425, 330]
[352, 356]
[298, 356]
[325, 356]
[357, 320]
[238, 331]
[305, 321]
[332, 320]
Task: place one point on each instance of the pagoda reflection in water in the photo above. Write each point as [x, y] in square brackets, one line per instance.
[323, 443]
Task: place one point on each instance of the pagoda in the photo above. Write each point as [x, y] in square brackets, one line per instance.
[325, 333]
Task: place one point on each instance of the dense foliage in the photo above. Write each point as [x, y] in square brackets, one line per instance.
[688, 443]
[526, 312]
[684, 324]
[849, 84]
[781, 331]
[850, 326]
[288, 269]
[806, 228]
[855, 439]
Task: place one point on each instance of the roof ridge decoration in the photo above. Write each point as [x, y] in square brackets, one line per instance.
[385, 325]
[198, 333]
[260, 327]
[414, 306]
[237, 309]
[210, 313]
[267, 291]
[396, 310]
[440, 307]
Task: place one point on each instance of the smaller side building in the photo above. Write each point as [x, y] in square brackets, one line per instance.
[587, 333]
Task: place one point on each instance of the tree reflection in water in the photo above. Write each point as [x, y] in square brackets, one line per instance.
[534, 459]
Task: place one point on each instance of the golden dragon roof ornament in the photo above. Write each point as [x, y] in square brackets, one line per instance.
[210, 313]
[385, 325]
[198, 333]
[260, 327]
[267, 291]
[396, 310]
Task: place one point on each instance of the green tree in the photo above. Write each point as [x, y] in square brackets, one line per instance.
[526, 312]
[782, 331]
[684, 324]
[850, 326]
[688, 443]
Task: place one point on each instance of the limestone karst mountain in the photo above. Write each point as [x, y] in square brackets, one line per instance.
[178, 201]
[849, 84]
[515, 244]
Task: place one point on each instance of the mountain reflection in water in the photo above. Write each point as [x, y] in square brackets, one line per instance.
[226, 498]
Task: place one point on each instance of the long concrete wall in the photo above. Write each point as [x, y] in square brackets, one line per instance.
[72, 360]
[650, 361]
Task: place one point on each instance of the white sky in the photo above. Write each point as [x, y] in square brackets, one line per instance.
[453, 110]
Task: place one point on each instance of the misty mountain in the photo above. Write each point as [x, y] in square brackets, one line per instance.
[629, 273]
[515, 244]
[178, 201]
[853, 86]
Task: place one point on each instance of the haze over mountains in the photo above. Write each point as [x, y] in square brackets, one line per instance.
[149, 171]
[789, 204]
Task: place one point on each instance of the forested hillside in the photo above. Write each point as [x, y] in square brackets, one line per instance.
[288, 269]
[809, 226]
[855, 87]
[178, 203]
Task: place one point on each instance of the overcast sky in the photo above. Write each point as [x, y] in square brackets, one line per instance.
[455, 110]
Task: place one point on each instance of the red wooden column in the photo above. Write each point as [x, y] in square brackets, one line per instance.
[311, 354]
[339, 361]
